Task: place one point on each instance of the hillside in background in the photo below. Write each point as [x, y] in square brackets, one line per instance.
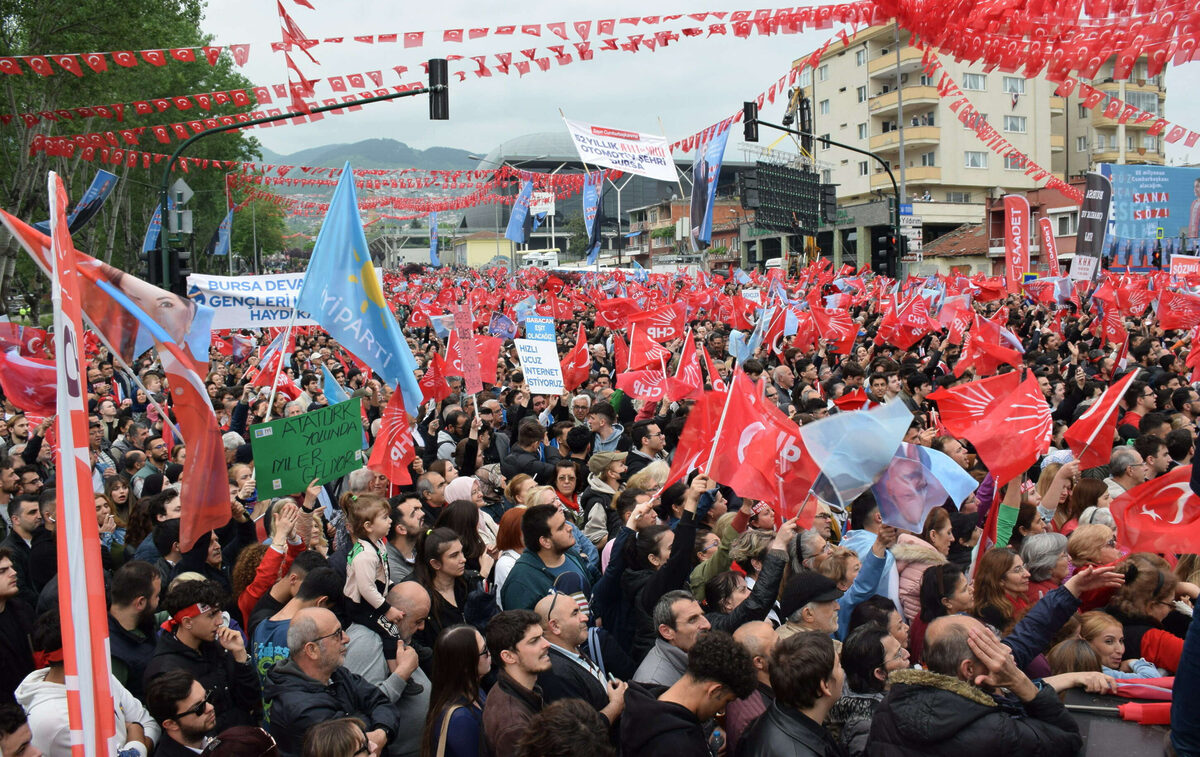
[373, 153]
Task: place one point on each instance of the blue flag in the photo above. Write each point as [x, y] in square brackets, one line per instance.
[640, 274]
[854, 449]
[89, 205]
[434, 260]
[334, 392]
[918, 480]
[525, 308]
[219, 245]
[592, 210]
[502, 326]
[520, 211]
[150, 241]
[342, 292]
[706, 170]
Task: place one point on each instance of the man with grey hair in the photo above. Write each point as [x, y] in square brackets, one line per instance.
[680, 621]
[313, 686]
[1045, 556]
[230, 441]
[1126, 469]
[580, 404]
[431, 489]
[966, 665]
[400, 679]
[783, 379]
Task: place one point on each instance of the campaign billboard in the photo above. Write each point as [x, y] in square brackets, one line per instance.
[1155, 209]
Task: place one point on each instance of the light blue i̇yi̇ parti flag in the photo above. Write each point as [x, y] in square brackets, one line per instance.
[434, 260]
[334, 392]
[520, 211]
[223, 233]
[854, 449]
[342, 293]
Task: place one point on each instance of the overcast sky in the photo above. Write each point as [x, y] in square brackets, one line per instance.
[689, 85]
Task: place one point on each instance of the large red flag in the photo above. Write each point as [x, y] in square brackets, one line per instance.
[1015, 432]
[835, 326]
[744, 414]
[644, 351]
[1178, 310]
[81, 598]
[1091, 437]
[961, 407]
[29, 384]
[620, 353]
[714, 378]
[393, 449]
[696, 440]
[283, 382]
[662, 324]
[576, 364]
[646, 385]
[1161, 515]
[687, 381]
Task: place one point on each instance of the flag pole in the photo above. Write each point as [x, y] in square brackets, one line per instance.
[670, 153]
[712, 450]
[287, 335]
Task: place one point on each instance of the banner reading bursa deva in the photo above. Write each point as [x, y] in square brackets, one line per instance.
[629, 151]
[240, 302]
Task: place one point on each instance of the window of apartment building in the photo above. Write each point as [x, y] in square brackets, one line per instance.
[863, 168]
[860, 56]
[1083, 112]
[862, 131]
[806, 77]
[927, 80]
[974, 81]
[1080, 144]
[958, 197]
[975, 159]
[823, 73]
[826, 138]
[1065, 224]
[827, 176]
[1129, 142]
[1150, 143]
[862, 93]
[929, 158]
[1147, 101]
[823, 108]
[1014, 85]
[1014, 163]
[1014, 124]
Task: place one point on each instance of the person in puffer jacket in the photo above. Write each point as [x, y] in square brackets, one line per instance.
[914, 555]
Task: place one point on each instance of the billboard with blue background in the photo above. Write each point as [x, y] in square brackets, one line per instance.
[1155, 215]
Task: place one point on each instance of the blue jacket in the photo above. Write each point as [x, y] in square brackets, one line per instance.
[1036, 630]
[1185, 726]
[530, 580]
[861, 540]
[864, 587]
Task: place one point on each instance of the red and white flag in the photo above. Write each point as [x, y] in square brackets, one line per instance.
[687, 381]
[1091, 437]
[1161, 515]
[647, 385]
[81, 598]
[962, 407]
[1015, 432]
[1016, 241]
[29, 384]
[433, 383]
[394, 449]
[576, 364]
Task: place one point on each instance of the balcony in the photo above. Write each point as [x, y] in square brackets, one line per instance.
[885, 104]
[915, 136]
[885, 65]
[1057, 143]
[1101, 121]
[1058, 106]
[912, 176]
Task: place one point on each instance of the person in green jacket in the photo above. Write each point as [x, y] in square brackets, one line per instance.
[550, 559]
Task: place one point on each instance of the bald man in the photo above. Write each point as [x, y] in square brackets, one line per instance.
[400, 679]
[573, 674]
[966, 667]
[759, 638]
[313, 686]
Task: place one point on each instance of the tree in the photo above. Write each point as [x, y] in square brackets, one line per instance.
[577, 238]
[115, 235]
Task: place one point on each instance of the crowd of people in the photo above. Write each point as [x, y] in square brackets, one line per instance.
[538, 589]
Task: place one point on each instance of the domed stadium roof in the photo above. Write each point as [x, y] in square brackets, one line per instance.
[539, 147]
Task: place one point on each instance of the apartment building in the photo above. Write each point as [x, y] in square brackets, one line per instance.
[1091, 137]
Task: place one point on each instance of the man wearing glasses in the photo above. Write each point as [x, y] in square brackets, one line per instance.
[180, 704]
[313, 686]
[1127, 469]
[649, 442]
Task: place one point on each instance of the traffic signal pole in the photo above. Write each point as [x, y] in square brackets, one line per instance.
[893, 263]
[438, 110]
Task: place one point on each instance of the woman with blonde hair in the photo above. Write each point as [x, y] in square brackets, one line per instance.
[1093, 544]
[1106, 637]
[651, 478]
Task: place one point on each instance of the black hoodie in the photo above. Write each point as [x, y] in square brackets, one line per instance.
[650, 727]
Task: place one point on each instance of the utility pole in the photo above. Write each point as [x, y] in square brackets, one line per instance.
[900, 113]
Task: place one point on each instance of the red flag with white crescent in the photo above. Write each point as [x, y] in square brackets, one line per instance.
[81, 598]
[1091, 437]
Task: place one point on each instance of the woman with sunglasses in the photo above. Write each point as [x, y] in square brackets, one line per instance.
[454, 725]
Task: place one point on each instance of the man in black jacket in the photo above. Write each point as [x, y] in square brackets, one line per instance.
[806, 679]
[953, 708]
[312, 686]
[573, 674]
[198, 641]
[531, 455]
[136, 587]
[182, 707]
[669, 722]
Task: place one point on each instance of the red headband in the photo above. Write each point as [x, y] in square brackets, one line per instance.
[45, 659]
[173, 622]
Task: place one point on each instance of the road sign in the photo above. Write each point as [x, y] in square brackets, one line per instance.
[181, 191]
[910, 220]
[906, 209]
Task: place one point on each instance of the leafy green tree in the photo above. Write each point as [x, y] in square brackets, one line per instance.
[35, 27]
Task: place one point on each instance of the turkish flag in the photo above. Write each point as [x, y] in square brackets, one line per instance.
[29, 384]
[486, 351]
[1161, 515]
[433, 383]
[1091, 437]
[620, 353]
[855, 400]
[394, 449]
[696, 440]
[283, 385]
[643, 351]
[1014, 432]
[961, 407]
[688, 381]
[576, 364]
[1112, 326]
[714, 378]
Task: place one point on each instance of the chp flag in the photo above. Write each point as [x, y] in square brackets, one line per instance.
[81, 599]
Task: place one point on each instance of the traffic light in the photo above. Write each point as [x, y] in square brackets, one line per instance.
[748, 189]
[439, 95]
[829, 203]
[750, 121]
[884, 258]
[179, 261]
[152, 262]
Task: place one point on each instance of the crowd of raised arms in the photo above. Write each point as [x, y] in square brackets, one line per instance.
[536, 589]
